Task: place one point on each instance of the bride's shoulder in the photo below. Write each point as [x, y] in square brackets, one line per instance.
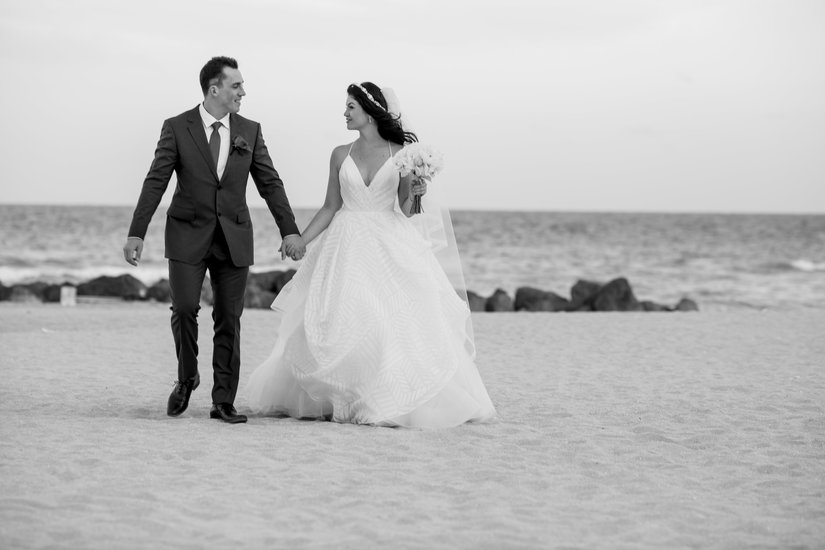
[339, 154]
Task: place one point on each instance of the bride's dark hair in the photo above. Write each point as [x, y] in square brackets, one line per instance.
[389, 125]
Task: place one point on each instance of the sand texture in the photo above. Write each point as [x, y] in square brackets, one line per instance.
[625, 430]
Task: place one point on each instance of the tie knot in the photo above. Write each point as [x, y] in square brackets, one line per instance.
[216, 126]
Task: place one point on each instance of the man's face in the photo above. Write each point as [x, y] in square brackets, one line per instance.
[230, 90]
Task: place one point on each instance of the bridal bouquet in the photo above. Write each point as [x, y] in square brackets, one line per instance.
[421, 161]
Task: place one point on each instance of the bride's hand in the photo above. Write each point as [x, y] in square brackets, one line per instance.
[418, 187]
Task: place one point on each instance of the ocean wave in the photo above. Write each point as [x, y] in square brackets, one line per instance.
[803, 265]
[807, 265]
[148, 273]
[10, 275]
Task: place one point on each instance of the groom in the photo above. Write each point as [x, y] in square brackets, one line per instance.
[213, 151]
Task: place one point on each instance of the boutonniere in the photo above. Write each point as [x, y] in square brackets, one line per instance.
[240, 144]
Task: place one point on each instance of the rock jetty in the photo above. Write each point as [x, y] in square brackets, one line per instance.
[261, 289]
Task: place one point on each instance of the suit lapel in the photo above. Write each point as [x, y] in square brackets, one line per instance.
[199, 135]
[235, 130]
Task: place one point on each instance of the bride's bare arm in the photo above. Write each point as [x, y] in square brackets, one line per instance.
[408, 187]
[333, 200]
[404, 196]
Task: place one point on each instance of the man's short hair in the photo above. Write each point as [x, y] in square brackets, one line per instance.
[212, 72]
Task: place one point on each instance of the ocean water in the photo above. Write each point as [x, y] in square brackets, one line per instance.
[722, 261]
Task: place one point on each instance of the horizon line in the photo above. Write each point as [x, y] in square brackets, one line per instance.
[476, 209]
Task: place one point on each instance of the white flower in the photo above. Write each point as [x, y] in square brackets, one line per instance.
[421, 160]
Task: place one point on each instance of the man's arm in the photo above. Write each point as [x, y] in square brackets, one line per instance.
[166, 157]
[271, 188]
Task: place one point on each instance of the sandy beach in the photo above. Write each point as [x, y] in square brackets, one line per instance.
[646, 430]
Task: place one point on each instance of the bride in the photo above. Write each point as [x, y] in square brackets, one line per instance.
[371, 329]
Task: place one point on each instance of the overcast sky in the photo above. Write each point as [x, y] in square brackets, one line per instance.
[616, 105]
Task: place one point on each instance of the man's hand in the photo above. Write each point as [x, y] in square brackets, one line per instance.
[294, 247]
[133, 249]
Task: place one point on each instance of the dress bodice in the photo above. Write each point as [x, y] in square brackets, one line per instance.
[379, 195]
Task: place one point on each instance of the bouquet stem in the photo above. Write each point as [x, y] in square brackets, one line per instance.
[416, 205]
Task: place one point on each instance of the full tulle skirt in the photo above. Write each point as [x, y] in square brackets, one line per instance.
[370, 331]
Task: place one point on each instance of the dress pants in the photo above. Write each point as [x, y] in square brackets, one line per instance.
[228, 286]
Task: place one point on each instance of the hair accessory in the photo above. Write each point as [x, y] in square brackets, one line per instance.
[369, 96]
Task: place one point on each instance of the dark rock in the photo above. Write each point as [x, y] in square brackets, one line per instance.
[31, 292]
[51, 293]
[22, 293]
[616, 296]
[160, 291]
[582, 293]
[272, 281]
[533, 299]
[264, 280]
[5, 292]
[647, 305]
[499, 301]
[123, 286]
[258, 298]
[37, 288]
[476, 302]
[686, 304]
[283, 280]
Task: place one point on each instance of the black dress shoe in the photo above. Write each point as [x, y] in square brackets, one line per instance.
[227, 413]
[179, 399]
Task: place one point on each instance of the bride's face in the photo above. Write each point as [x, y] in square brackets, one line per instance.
[354, 114]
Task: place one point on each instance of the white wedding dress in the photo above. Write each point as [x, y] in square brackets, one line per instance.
[371, 330]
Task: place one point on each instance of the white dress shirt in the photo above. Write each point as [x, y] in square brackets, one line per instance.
[223, 132]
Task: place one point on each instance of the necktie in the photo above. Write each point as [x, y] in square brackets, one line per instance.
[215, 143]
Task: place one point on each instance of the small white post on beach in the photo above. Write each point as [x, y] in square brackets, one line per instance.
[68, 295]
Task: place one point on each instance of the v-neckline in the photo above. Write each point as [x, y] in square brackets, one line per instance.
[363, 182]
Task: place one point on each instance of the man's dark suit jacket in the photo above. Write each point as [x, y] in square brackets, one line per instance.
[201, 200]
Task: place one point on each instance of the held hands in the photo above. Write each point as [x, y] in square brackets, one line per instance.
[132, 250]
[293, 246]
